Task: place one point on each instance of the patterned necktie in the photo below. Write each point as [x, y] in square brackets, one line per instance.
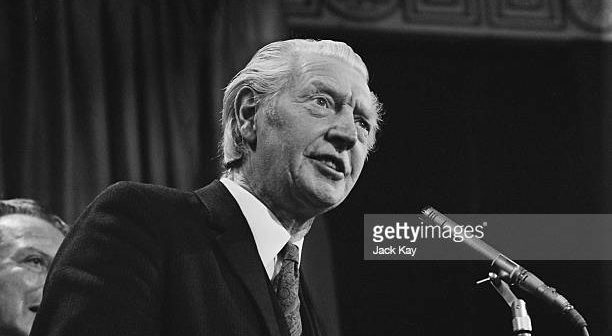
[286, 285]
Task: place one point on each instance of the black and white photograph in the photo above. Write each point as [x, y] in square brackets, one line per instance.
[305, 167]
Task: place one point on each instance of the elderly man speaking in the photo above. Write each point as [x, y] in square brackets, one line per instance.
[298, 123]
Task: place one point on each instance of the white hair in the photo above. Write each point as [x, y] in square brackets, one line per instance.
[270, 69]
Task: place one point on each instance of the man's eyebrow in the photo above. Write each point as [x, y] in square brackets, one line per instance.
[30, 249]
[328, 88]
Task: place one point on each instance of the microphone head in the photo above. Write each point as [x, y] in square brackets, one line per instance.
[426, 210]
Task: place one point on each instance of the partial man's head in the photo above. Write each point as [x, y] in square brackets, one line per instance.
[29, 239]
[299, 121]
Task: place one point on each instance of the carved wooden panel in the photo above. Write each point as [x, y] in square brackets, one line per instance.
[364, 9]
[552, 19]
[448, 12]
[526, 14]
[595, 15]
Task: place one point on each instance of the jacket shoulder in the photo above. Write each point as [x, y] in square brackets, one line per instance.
[153, 208]
[134, 197]
[135, 190]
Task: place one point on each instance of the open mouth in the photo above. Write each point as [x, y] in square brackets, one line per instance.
[34, 309]
[332, 162]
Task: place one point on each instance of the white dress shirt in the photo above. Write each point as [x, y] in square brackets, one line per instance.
[269, 234]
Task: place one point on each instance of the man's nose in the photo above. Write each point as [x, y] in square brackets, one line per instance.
[343, 133]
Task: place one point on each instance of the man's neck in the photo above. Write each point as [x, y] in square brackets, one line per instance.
[297, 228]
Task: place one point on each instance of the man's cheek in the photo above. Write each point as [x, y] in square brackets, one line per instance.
[30, 279]
[10, 307]
[357, 164]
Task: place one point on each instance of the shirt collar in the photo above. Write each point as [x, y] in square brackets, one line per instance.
[269, 234]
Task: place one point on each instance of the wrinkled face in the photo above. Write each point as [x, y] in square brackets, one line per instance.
[312, 146]
[27, 247]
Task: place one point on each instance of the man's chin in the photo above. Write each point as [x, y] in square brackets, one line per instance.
[325, 197]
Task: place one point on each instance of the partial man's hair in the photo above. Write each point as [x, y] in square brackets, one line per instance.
[30, 207]
[268, 72]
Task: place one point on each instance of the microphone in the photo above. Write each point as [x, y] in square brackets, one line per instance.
[511, 272]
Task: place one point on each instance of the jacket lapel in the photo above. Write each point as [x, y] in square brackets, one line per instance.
[238, 246]
[311, 325]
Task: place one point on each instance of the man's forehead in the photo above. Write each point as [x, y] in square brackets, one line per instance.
[310, 61]
[25, 226]
[331, 73]
[22, 233]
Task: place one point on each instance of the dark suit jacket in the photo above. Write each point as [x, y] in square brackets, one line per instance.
[150, 260]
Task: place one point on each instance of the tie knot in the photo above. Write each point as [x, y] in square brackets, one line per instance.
[290, 252]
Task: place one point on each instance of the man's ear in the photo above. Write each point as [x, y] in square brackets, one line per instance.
[245, 107]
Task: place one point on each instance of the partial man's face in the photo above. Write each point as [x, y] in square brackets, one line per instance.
[27, 247]
[311, 150]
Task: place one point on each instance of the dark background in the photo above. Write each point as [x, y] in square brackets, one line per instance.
[474, 126]
[96, 91]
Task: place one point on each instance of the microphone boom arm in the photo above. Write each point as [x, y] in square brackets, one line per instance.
[511, 272]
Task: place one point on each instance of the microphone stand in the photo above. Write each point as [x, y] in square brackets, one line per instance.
[521, 322]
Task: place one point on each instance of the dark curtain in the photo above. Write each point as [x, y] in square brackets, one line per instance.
[98, 91]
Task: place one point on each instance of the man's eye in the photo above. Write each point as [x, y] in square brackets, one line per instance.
[363, 130]
[321, 102]
[363, 124]
[36, 262]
